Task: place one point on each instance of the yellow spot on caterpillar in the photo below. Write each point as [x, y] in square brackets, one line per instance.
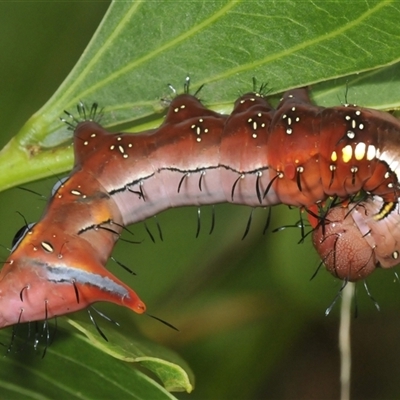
[347, 153]
[334, 156]
[385, 211]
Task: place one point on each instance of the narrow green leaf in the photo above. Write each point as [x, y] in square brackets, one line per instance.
[171, 369]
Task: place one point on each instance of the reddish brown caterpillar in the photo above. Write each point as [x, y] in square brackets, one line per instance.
[354, 240]
[297, 154]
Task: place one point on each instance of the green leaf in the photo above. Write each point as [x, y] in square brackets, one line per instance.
[139, 48]
[169, 368]
[95, 374]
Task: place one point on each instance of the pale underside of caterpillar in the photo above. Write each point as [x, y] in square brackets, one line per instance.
[353, 240]
[298, 154]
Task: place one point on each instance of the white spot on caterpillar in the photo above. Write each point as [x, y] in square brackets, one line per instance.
[350, 134]
[177, 109]
[371, 153]
[358, 112]
[78, 193]
[361, 126]
[359, 151]
[119, 138]
[395, 255]
[347, 118]
[121, 149]
[354, 170]
[47, 247]
[289, 131]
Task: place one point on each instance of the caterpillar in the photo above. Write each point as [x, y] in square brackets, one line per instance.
[298, 154]
[355, 240]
